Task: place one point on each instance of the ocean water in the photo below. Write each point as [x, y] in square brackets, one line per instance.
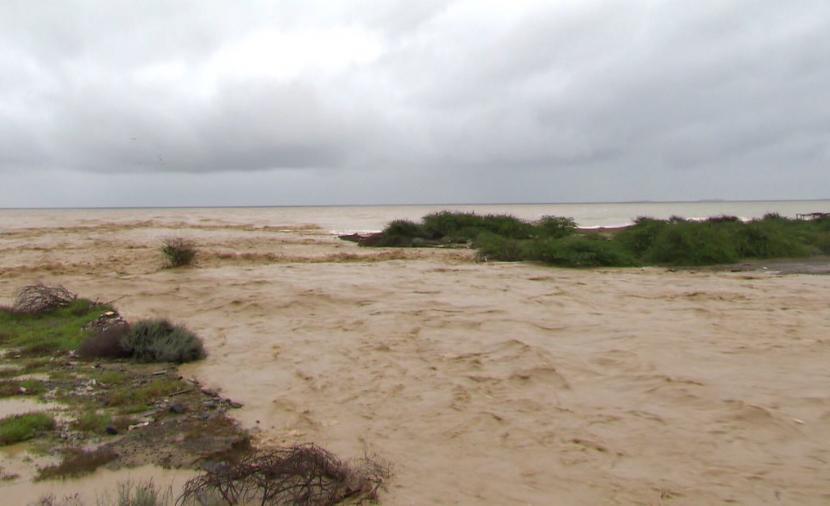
[346, 219]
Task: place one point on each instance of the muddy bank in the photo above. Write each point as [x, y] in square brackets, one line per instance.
[183, 426]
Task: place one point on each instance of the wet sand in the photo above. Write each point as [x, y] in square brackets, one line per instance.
[481, 383]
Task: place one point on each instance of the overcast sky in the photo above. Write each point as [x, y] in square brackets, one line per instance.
[113, 103]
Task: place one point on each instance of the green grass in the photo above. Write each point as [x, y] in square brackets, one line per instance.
[10, 388]
[130, 399]
[17, 428]
[90, 420]
[556, 241]
[110, 377]
[57, 331]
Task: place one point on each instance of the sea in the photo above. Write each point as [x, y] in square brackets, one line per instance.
[349, 219]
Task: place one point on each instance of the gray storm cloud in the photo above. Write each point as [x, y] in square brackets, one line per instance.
[519, 101]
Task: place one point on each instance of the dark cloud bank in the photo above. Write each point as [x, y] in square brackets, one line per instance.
[153, 103]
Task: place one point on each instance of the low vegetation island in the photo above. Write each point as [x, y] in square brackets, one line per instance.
[558, 241]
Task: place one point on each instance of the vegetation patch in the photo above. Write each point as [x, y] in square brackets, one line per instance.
[91, 420]
[138, 398]
[78, 462]
[178, 252]
[17, 428]
[59, 330]
[10, 388]
[557, 241]
[162, 341]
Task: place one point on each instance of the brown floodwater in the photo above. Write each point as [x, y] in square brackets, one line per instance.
[481, 383]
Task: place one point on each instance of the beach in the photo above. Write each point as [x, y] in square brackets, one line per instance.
[479, 382]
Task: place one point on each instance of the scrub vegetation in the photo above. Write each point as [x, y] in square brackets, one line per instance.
[557, 241]
[178, 252]
[17, 428]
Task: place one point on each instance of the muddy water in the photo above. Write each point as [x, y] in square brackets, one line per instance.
[102, 485]
[483, 383]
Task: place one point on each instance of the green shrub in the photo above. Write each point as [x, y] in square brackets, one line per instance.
[404, 228]
[556, 226]
[92, 421]
[399, 233]
[495, 247]
[640, 236]
[676, 241]
[178, 252]
[17, 428]
[467, 226]
[769, 239]
[162, 341]
[578, 251]
[693, 243]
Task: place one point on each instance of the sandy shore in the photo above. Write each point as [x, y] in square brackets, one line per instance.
[481, 383]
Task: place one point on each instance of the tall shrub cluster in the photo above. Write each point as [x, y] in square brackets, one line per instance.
[557, 241]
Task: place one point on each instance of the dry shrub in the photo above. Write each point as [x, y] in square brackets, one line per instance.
[78, 462]
[300, 474]
[40, 298]
[178, 251]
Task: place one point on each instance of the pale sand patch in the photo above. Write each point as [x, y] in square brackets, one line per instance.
[484, 383]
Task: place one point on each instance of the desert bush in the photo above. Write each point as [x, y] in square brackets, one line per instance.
[17, 428]
[676, 241]
[467, 226]
[640, 236]
[105, 343]
[823, 243]
[693, 243]
[398, 233]
[556, 226]
[723, 219]
[301, 474]
[178, 252]
[39, 298]
[403, 228]
[161, 341]
[495, 247]
[92, 421]
[769, 239]
[578, 251]
[773, 217]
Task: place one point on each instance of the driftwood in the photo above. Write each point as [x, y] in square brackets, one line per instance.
[300, 474]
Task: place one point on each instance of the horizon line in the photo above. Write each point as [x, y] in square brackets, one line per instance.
[430, 204]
